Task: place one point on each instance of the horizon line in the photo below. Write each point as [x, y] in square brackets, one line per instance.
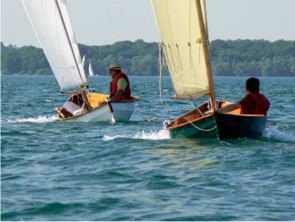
[108, 44]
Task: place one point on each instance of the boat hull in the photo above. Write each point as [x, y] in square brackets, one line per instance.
[197, 123]
[73, 111]
[122, 113]
[204, 128]
[232, 126]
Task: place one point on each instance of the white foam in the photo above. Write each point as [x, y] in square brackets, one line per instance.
[109, 138]
[153, 135]
[142, 135]
[276, 134]
[39, 119]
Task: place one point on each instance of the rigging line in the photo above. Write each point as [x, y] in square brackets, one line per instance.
[197, 108]
[172, 63]
[160, 67]
[68, 38]
[166, 57]
[201, 129]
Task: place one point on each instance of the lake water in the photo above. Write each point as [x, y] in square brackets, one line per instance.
[134, 171]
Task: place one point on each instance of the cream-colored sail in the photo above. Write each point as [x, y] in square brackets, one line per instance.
[182, 43]
[51, 22]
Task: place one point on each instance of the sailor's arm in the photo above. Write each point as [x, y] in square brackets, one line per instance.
[117, 96]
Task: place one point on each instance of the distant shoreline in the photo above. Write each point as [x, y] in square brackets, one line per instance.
[229, 58]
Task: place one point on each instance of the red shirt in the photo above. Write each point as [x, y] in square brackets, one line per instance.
[114, 87]
[254, 103]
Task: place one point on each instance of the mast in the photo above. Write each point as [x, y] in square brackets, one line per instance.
[82, 87]
[68, 38]
[205, 16]
[205, 44]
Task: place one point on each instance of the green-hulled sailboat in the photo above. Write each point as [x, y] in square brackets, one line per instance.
[185, 44]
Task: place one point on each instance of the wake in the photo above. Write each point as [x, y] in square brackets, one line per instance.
[142, 135]
[269, 134]
[38, 119]
[277, 135]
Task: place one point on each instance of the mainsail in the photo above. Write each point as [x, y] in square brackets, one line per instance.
[184, 37]
[90, 70]
[51, 22]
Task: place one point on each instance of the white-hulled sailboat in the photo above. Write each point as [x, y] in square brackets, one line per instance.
[51, 22]
[83, 61]
[90, 70]
[185, 44]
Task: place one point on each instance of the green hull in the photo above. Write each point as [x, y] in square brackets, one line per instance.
[205, 128]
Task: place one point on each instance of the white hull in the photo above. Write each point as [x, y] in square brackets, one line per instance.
[122, 112]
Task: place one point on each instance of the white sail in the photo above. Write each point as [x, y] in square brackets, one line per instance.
[51, 22]
[182, 44]
[90, 70]
[83, 61]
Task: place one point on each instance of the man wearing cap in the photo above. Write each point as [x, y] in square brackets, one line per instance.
[119, 87]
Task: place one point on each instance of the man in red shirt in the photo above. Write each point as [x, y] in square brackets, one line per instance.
[119, 86]
[253, 103]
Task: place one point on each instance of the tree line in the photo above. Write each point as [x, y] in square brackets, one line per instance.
[229, 57]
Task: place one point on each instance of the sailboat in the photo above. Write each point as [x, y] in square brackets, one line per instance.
[90, 70]
[83, 61]
[185, 44]
[51, 22]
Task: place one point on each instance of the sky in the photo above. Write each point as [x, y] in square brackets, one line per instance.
[100, 22]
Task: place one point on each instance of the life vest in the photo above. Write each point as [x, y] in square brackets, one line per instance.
[260, 107]
[114, 87]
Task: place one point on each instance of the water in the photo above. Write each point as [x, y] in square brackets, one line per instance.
[134, 171]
